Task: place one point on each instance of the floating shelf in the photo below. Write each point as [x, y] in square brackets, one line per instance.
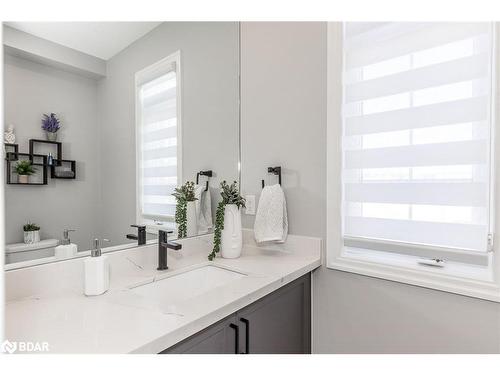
[61, 163]
[15, 156]
[14, 149]
[12, 154]
[57, 144]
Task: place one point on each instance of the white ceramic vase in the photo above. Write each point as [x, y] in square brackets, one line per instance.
[231, 236]
[32, 236]
[192, 219]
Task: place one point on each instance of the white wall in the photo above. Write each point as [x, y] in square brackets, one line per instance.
[209, 61]
[284, 121]
[31, 89]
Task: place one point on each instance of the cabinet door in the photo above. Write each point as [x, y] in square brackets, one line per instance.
[279, 323]
[219, 338]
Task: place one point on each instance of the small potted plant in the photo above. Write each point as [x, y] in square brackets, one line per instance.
[228, 237]
[185, 210]
[51, 125]
[24, 169]
[31, 233]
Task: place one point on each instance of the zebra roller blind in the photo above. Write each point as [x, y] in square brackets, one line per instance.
[157, 135]
[417, 117]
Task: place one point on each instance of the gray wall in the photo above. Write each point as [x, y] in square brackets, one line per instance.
[283, 117]
[209, 60]
[284, 95]
[31, 89]
[99, 128]
[43, 51]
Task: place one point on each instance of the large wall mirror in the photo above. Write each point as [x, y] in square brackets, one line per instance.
[140, 109]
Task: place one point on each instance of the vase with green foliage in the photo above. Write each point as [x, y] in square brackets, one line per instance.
[185, 210]
[227, 233]
[24, 169]
[31, 233]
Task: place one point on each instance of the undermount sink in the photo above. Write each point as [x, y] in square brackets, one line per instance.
[187, 285]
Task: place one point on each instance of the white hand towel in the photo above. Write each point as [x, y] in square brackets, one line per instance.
[271, 221]
[203, 209]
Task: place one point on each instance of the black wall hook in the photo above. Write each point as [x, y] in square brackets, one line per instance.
[203, 173]
[274, 170]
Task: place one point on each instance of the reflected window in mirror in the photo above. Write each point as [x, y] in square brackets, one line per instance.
[158, 147]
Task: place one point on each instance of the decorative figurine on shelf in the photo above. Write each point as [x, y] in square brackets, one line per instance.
[51, 125]
[9, 135]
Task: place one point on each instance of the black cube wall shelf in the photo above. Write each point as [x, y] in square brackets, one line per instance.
[58, 145]
[62, 164]
[19, 156]
[12, 154]
[11, 148]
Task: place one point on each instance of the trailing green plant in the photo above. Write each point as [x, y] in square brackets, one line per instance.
[230, 195]
[24, 168]
[183, 195]
[30, 227]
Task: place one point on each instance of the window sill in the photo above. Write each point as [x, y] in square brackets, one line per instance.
[434, 278]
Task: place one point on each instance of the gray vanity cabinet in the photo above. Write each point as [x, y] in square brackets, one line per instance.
[219, 338]
[279, 323]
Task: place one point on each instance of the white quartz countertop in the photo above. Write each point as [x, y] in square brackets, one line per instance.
[121, 322]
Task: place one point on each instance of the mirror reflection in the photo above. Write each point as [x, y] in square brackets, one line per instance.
[132, 134]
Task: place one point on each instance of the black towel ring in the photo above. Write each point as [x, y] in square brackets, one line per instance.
[204, 173]
[274, 170]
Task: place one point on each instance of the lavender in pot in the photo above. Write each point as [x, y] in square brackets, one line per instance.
[51, 125]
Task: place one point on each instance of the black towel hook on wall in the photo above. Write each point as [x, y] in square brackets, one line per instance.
[274, 170]
[204, 173]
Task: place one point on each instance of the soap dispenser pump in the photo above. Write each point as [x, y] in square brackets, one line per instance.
[96, 271]
[66, 249]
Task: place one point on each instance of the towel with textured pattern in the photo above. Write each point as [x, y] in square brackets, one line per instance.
[203, 209]
[271, 222]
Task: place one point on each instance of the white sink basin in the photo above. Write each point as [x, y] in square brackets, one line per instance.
[187, 285]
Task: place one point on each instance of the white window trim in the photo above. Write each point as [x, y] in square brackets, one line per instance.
[158, 68]
[336, 257]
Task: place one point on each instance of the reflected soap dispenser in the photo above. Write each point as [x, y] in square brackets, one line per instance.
[96, 271]
[66, 249]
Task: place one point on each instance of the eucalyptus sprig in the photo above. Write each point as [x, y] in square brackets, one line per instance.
[230, 195]
[183, 194]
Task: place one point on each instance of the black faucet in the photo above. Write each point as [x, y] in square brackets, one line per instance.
[163, 245]
[141, 235]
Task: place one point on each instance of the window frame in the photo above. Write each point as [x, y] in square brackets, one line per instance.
[388, 266]
[149, 73]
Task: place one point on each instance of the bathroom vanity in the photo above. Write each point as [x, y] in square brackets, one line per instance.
[279, 323]
[258, 303]
[184, 131]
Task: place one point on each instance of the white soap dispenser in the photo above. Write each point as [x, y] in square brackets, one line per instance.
[66, 249]
[96, 271]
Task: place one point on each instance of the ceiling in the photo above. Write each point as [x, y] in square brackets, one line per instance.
[99, 39]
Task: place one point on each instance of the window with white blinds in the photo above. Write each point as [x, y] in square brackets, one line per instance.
[158, 133]
[417, 115]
